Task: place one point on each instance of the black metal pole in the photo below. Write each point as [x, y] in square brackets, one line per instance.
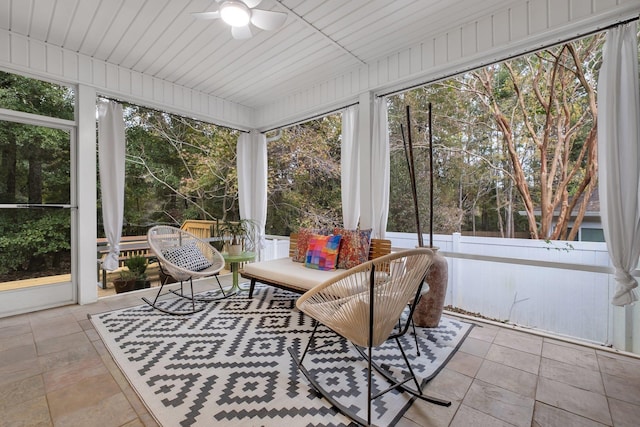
[412, 174]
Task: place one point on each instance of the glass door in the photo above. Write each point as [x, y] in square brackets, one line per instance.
[36, 214]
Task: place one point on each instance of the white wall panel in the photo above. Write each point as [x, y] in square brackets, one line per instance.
[416, 59]
[20, 54]
[85, 69]
[519, 22]
[440, 50]
[559, 13]
[454, 44]
[124, 80]
[99, 75]
[111, 77]
[54, 61]
[501, 28]
[469, 39]
[70, 65]
[579, 9]
[37, 53]
[511, 31]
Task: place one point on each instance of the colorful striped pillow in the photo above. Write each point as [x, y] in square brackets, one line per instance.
[322, 252]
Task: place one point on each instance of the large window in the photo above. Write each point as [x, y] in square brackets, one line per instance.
[304, 176]
[515, 146]
[35, 179]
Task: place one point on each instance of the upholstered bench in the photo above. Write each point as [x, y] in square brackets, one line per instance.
[294, 276]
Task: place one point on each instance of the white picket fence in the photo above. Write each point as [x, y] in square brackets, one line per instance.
[563, 288]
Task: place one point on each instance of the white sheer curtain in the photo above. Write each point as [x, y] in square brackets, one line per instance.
[350, 168]
[380, 168]
[619, 156]
[252, 183]
[111, 151]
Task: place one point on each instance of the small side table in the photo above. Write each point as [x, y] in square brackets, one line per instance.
[234, 262]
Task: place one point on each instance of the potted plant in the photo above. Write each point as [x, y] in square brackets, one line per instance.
[126, 282]
[138, 266]
[237, 232]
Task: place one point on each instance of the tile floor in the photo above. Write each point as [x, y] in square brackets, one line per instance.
[55, 370]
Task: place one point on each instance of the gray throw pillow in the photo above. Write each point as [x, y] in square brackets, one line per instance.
[187, 256]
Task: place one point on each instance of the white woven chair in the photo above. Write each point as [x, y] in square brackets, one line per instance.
[182, 256]
[364, 305]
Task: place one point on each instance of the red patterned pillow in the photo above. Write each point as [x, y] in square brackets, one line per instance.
[354, 247]
[304, 234]
[322, 252]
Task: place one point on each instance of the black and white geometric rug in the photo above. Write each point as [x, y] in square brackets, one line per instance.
[228, 365]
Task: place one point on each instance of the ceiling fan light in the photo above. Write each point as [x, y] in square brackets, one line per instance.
[235, 13]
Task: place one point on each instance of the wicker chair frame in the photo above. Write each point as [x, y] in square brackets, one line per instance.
[364, 305]
[162, 238]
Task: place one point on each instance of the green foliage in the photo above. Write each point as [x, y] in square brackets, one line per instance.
[29, 240]
[138, 266]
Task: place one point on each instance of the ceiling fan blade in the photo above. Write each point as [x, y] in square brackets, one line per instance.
[267, 20]
[206, 15]
[241, 33]
[251, 3]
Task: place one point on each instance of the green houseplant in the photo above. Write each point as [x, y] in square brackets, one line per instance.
[237, 232]
[126, 282]
[138, 266]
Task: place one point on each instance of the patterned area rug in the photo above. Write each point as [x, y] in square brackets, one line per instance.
[229, 364]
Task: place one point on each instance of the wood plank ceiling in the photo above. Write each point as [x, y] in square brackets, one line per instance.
[161, 38]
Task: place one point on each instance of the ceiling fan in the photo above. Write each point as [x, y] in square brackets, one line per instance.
[239, 14]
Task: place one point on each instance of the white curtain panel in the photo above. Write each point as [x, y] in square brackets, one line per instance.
[380, 168]
[619, 156]
[111, 151]
[350, 168]
[252, 183]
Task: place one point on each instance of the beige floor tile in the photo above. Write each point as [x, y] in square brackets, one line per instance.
[17, 327]
[449, 385]
[30, 413]
[500, 403]
[624, 414]
[53, 345]
[584, 378]
[112, 411]
[549, 416]
[578, 356]
[512, 379]
[619, 366]
[16, 354]
[21, 391]
[626, 389]
[69, 375]
[67, 356]
[519, 341]
[484, 332]
[84, 393]
[580, 402]
[13, 341]
[467, 417]
[48, 328]
[465, 363]
[19, 370]
[148, 421]
[423, 413]
[514, 358]
[475, 346]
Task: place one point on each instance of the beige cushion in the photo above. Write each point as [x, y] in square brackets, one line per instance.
[284, 270]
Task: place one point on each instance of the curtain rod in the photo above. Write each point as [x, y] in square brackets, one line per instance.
[516, 55]
[110, 98]
[317, 116]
